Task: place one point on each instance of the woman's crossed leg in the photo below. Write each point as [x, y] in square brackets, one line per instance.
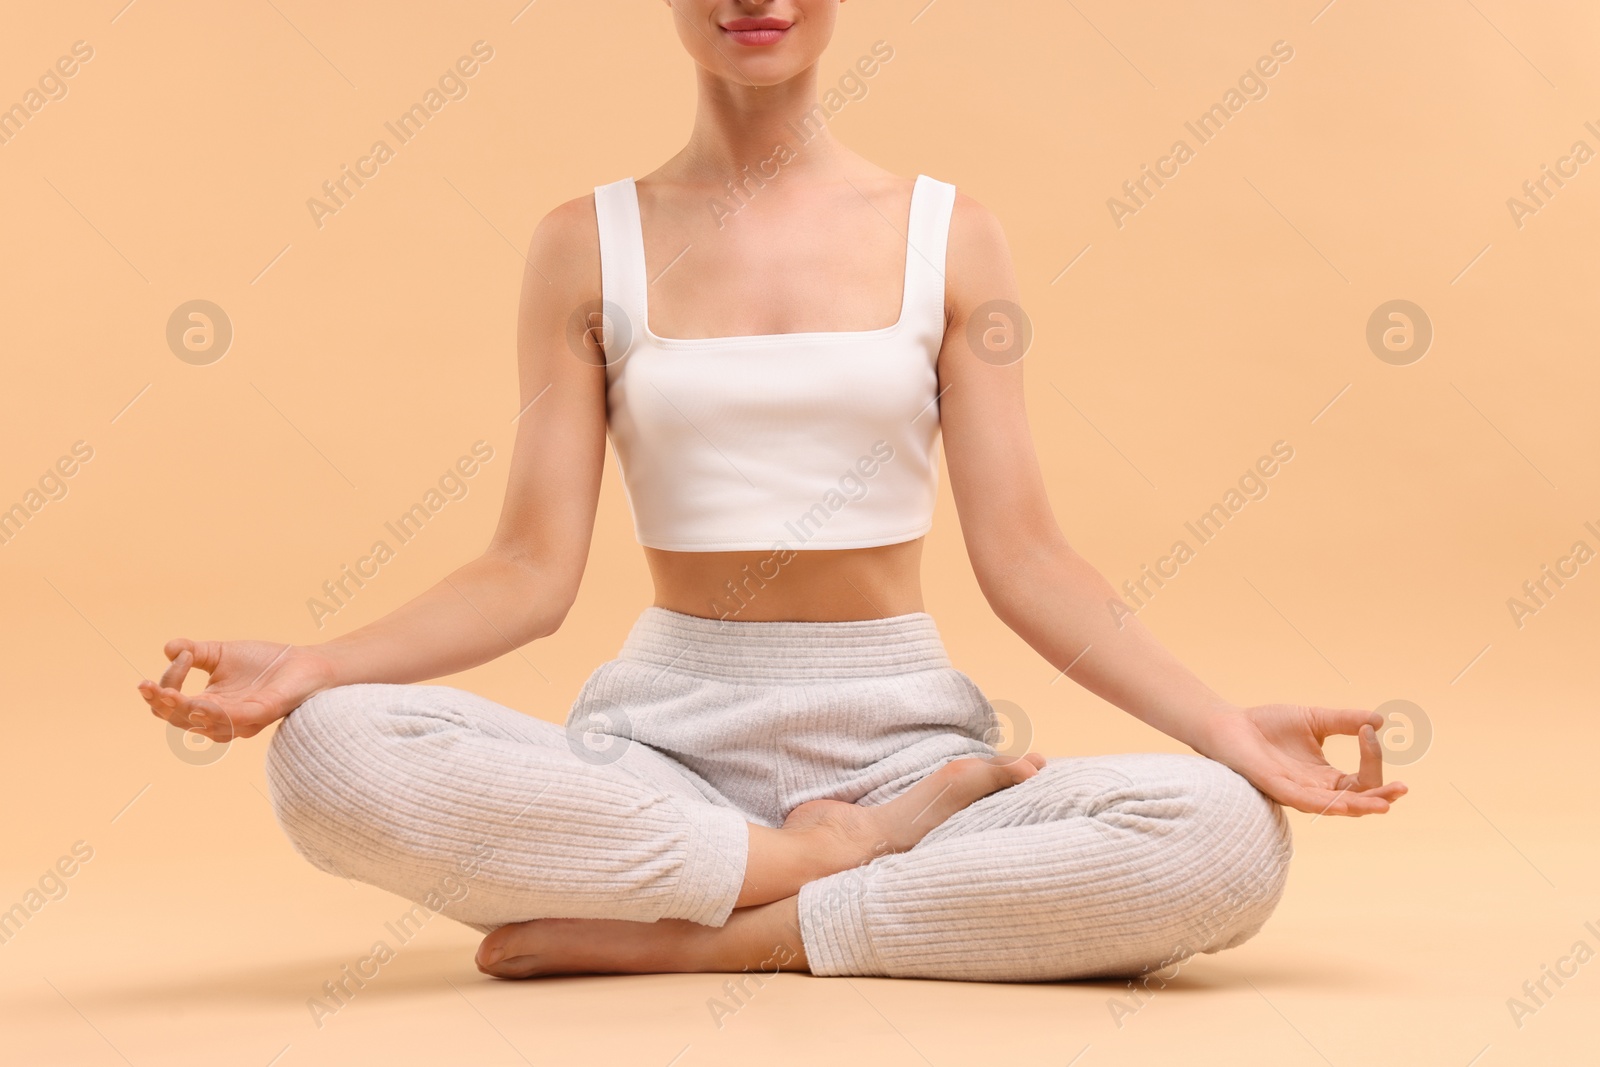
[1093, 867]
[492, 817]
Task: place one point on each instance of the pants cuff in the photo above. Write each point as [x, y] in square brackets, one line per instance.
[713, 867]
[833, 925]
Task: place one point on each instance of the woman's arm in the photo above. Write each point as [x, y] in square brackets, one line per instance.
[522, 586]
[518, 590]
[1056, 601]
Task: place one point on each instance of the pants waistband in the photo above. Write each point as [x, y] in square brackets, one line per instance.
[742, 650]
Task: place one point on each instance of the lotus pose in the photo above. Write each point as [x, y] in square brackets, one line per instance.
[781, 769]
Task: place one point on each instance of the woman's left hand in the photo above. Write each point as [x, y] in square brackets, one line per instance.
[1278, 747]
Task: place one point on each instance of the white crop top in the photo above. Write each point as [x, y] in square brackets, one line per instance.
[821, 440]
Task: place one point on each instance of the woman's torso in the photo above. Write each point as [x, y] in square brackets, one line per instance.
[798, 255]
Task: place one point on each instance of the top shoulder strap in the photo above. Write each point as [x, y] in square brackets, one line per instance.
[926, 245]
[622, 268]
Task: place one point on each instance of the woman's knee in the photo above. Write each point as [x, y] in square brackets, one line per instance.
[1246, 836]
[320, 754]
[1245, 813]
[329, 728]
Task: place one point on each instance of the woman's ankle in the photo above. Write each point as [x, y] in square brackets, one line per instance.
[818, 840]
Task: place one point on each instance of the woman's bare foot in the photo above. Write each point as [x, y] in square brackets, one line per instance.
[864, 833]
[761, 939]
[823, 837]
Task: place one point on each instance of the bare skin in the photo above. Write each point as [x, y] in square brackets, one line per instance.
[774, 267]
[760, 938]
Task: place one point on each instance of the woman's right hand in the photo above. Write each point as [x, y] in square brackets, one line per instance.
[252, 685]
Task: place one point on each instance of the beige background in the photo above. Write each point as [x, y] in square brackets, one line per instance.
[1228, 313]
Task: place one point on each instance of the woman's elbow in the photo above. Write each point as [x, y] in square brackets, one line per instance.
[544, 589]
[1012, 565]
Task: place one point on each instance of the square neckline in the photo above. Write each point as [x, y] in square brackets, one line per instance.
[773, 338]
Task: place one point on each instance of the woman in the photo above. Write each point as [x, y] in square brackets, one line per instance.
[781, 769]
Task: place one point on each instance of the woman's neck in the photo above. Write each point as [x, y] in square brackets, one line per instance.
[738, 126]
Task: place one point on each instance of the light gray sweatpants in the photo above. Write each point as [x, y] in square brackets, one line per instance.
[1095, 867]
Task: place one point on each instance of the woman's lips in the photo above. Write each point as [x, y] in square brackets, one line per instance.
[756, 32]
[757, 37]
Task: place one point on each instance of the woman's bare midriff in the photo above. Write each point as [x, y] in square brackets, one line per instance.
[802, 585]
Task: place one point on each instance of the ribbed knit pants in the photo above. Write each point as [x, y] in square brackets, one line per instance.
[1106, 866]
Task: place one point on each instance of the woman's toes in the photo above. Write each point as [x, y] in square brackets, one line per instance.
[488, 954]
[1029, 765]
[951, 788]
[502, 945]
[512, 967]
[971, 779]
[1020, 768]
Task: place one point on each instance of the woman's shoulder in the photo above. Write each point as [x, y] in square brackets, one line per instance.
[971, 214]
[977, 253]
[970, 220]
[571, 217]
[976, 242]
[564, 248]
[976, 232]
[570, 227]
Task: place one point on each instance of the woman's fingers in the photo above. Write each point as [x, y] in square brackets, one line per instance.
[1340, 799]
[1392, 791]
[214, 722]
[1357, 804]
[208, 719]
[166, 697]
[210, 722]
[169, 704]
[1340, 802]
[172, 677]
[1353, 802]
[199, 715]
[1369, 775]
[186, 654]
[152, 694]
[207, 655]
[1327, 721]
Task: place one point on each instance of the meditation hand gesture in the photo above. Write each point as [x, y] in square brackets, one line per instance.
[1278, 747]
[252, 685]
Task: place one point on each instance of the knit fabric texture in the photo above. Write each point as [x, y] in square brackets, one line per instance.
[637, 809]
